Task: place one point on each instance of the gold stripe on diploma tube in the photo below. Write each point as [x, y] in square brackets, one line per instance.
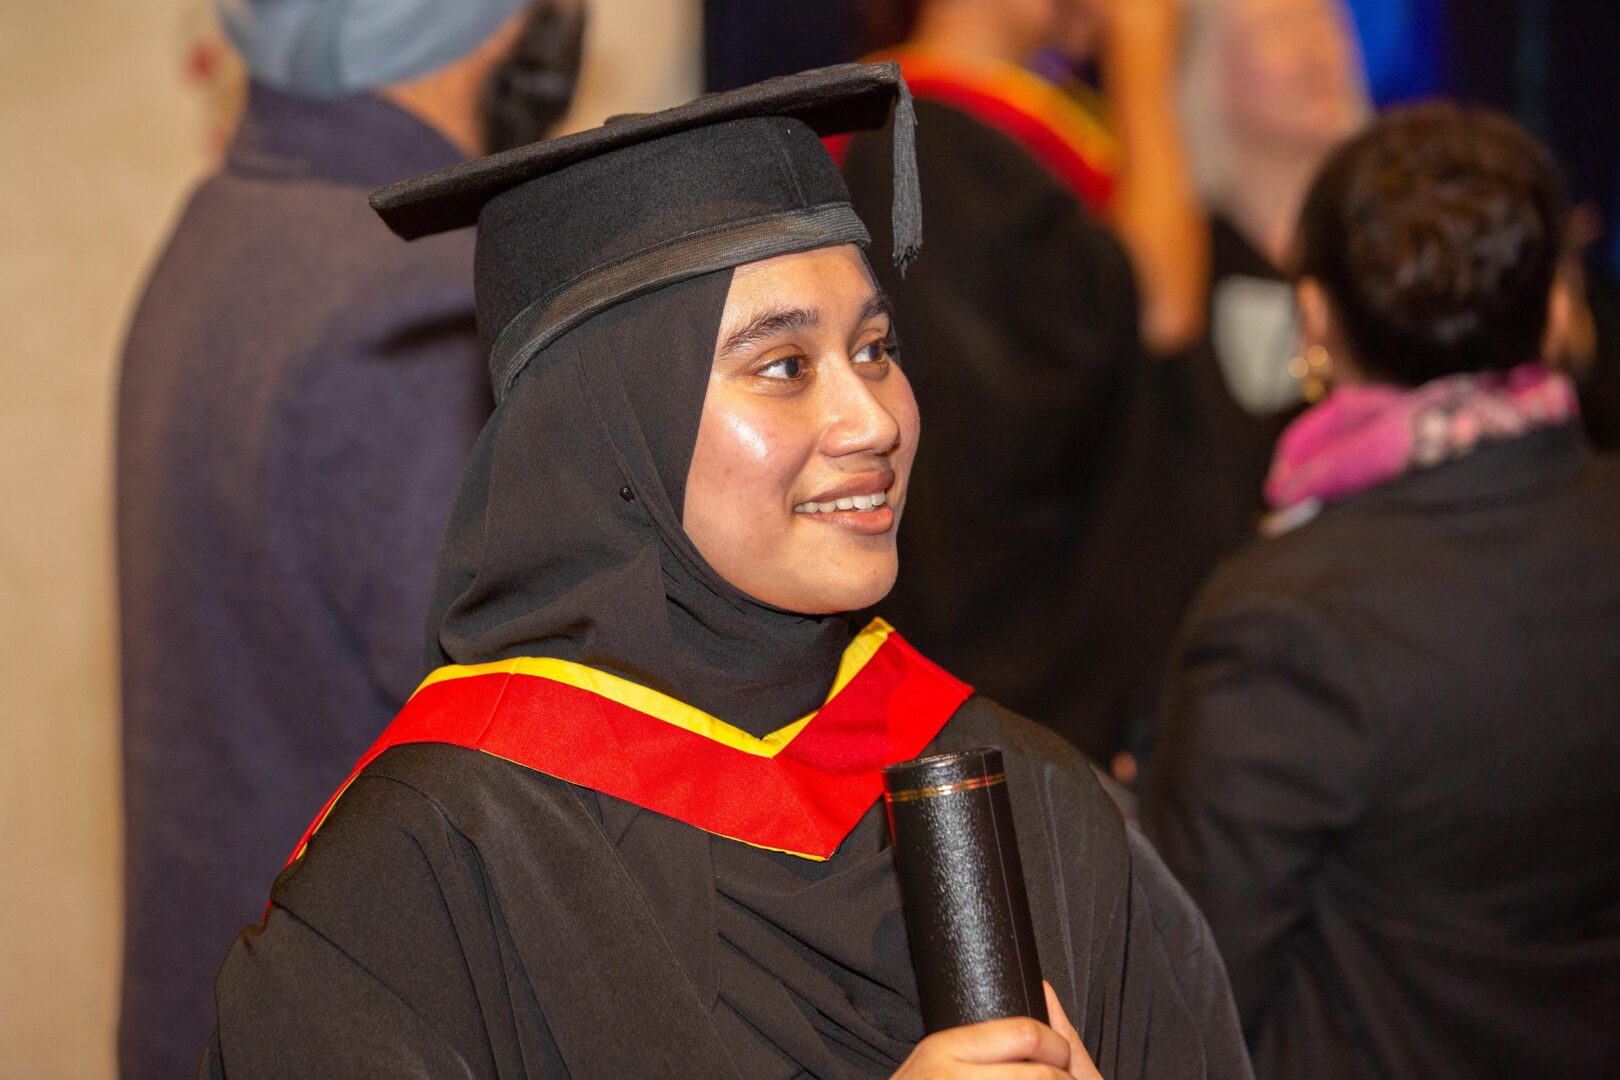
[972, 783]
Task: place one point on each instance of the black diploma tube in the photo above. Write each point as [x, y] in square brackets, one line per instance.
[962, 889]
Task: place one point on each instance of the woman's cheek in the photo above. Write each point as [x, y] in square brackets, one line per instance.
[750, 436]
[902, 405]
[761, 453]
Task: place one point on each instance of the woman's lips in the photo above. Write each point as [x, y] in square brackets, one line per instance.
[860, 503]
[872, 482]
[879, 519]
[867, 514]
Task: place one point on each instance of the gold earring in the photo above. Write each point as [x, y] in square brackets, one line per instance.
[1313, 370]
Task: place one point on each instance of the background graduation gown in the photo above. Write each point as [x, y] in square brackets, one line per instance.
[281, 496]
[1204, 424]
[1036, 522]
[460, 915]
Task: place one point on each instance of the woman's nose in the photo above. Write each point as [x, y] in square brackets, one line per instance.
[858, 420]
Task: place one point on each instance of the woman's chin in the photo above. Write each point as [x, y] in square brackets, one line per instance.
[836, 594]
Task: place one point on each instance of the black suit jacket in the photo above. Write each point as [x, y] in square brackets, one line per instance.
[1389, 772]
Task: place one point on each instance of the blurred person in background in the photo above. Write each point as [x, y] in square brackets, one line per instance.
[1267, 88]
[1013, 65]
[282, 489]
[1389, 771]
[1029, 546]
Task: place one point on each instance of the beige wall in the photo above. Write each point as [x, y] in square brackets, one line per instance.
[99, 138]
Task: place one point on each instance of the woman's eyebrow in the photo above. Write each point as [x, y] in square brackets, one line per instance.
[767, 323]
[878, 304]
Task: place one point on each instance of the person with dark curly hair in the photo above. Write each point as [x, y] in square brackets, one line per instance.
[1388, 766]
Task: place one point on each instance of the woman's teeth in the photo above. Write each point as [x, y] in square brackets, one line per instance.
[850, 502]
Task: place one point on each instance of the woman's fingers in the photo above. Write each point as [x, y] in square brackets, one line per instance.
[1080, 1064]
[1014, 1039]
[1016, 1048]
[1056, 1018]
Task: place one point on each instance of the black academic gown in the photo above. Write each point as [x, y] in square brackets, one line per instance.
[461, 915]
[1204, 425]
[1223, 403]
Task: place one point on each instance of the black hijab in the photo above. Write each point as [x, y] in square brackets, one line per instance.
[566, 538]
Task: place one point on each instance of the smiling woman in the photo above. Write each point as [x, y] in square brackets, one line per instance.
[630, 823]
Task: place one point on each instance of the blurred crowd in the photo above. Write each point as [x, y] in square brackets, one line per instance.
[1263, 460]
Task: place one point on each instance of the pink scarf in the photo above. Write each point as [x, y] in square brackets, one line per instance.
[1361, 435]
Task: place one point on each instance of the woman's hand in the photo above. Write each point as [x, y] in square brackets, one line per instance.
[1080, 1064]
[1016, 1047]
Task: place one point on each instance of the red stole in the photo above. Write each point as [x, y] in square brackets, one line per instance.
[1054, 128]
[800, 789]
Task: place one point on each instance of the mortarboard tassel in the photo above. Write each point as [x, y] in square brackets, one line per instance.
[907, 210]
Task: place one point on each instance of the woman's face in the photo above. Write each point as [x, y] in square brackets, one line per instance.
[809, 429]
[1287, 73]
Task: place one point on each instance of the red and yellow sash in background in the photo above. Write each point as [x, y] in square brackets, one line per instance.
[1056, 130]
[800, 789]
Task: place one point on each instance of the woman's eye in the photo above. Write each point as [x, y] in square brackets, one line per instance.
[875, 353]
[787, 368]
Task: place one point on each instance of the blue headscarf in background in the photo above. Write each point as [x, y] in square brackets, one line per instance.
[331, 48]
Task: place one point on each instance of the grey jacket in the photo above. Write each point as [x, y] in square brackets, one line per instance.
[299, 392]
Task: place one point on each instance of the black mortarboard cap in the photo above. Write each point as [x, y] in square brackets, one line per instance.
[572, 226]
